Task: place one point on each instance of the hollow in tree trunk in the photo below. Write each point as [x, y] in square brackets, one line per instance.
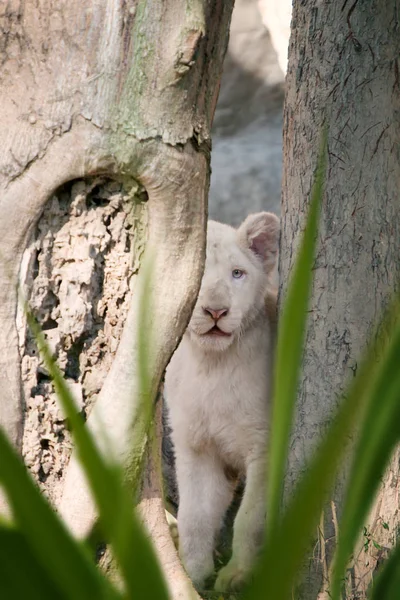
[125, 91]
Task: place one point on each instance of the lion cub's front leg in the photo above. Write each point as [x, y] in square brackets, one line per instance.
[205, 494]
[247, 531]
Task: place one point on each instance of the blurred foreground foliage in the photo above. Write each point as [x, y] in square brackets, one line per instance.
[40, 560]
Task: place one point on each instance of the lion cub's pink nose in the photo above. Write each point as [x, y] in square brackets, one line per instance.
[216, 313]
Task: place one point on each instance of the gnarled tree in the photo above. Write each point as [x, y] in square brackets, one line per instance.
[126, 91]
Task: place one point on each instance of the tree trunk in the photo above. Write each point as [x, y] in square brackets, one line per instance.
[125, 90]
[343, 70]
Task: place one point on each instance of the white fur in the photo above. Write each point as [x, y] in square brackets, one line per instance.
[217, 390]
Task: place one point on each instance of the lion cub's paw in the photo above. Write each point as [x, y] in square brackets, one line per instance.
[231, 577]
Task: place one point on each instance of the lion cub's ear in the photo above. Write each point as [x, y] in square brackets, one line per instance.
[260, 233]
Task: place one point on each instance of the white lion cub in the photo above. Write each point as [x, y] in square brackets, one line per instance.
[217, 389]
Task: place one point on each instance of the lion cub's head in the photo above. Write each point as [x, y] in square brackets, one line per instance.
[239, 263]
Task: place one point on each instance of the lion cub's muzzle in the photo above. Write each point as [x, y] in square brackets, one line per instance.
[216, 315]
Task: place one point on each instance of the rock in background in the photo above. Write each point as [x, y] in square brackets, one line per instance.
[247, 141]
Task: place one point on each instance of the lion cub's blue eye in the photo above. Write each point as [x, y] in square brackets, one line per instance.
[237, 273]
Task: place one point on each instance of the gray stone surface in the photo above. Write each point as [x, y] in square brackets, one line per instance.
[247, 142]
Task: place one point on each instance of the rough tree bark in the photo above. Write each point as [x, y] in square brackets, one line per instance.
[126, 90]
[343, 69]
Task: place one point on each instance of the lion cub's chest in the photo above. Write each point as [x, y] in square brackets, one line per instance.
[221, 405]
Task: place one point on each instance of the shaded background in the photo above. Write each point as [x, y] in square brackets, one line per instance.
[247, 139]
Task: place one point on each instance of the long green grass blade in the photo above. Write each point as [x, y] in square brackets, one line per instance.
[287, 548]
[386, 586]
[131, 547]
[21, 575]
[65, 561]
[291, 332]
[378, 437]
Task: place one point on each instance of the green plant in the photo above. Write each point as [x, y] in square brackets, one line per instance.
[46, 551]
[56, 566]
[371, 406]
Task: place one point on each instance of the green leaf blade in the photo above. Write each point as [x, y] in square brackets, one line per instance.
[65, 560]
[386, 586]
[131, 546]
[291, 332]
[289, 545]
[378, 437]
[16, 557]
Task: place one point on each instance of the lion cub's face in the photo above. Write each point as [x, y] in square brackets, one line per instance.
[238, 265]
